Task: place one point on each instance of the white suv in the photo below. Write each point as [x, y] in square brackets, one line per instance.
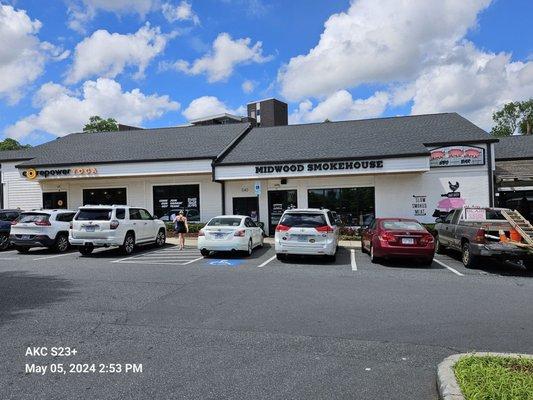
[41, 228]
[123, 226]
[309, 231]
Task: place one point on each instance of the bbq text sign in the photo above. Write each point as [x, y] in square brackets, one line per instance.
[456, 156]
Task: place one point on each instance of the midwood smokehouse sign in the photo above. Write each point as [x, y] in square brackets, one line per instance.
[321, 166]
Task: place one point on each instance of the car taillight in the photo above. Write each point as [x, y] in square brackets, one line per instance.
[240, 233]
[43, 223]
[480, 236]
[201, 232]
[14, 222]
[282, 228]
[426, 239]
[387, 236]
[114, 224]
[325, 228]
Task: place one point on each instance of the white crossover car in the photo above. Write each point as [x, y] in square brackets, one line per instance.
[123, 226]
[230, 233]
[41, 228]
[308, 231]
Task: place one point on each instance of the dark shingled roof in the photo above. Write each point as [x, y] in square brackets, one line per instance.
[514, 148]
[380, 137]
[181, 143]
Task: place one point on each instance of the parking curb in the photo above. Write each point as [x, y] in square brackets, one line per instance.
[447, 384]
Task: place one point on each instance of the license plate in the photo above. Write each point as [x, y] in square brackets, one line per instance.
[90, 228]
[408, 241]
[301, 238]
[25, 237]
[218, 235]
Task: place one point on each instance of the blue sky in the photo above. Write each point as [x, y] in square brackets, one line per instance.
[161, 62]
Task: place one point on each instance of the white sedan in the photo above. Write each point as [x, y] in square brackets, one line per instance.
[230, 233]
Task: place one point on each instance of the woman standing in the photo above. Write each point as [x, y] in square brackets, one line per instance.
[181, 228]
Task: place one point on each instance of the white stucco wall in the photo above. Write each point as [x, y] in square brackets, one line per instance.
[393, 192]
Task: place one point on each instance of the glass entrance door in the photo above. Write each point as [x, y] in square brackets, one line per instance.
[278, 202]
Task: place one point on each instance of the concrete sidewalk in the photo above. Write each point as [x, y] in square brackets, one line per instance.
[192, 242]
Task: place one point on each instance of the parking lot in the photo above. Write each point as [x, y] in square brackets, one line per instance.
[238, 327]
[349, 259]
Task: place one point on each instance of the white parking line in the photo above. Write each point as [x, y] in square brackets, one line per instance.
[8, 258]
[47, 257]
[266, 262]
[448, 267]
[352, 260]
[190, 262]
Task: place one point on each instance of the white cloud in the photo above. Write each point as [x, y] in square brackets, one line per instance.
[378, 41]
[82, 11]
[340, 106]
[180, 12]
[108, 54]
[22, 55]
[471, 82]
[248, 86]
[226, 54]
[209, 105]
[63, 111]
[415, 48]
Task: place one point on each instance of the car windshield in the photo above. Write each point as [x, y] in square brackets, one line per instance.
[303, 220]
[5, 217]
[402, 226]
[94, 214]
[33, 217]
[225, 222]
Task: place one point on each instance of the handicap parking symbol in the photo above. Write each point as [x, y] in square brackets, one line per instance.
[225, 263]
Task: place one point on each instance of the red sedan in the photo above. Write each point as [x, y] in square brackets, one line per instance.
[398, 237]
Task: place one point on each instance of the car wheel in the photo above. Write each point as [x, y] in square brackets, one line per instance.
[86, 250]
[4, 241]
[468, 259]
[22, 250]
[61, 245]
[205, 252]
[161, 238]
[129, 244]
[281, 257]
[250, 248]
[373, 258]
[439, 247]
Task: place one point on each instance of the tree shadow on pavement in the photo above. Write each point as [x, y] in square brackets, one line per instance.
[21, 293]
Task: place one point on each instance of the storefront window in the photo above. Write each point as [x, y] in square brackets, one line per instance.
[106, 197]
[170, 200]
[353, 206]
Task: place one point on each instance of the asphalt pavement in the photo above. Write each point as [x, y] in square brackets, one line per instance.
[237, 327]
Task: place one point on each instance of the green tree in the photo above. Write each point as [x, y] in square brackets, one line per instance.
[98, 124]
[12, 144]
[514, 116]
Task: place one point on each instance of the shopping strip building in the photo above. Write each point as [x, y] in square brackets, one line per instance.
[412, 167]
